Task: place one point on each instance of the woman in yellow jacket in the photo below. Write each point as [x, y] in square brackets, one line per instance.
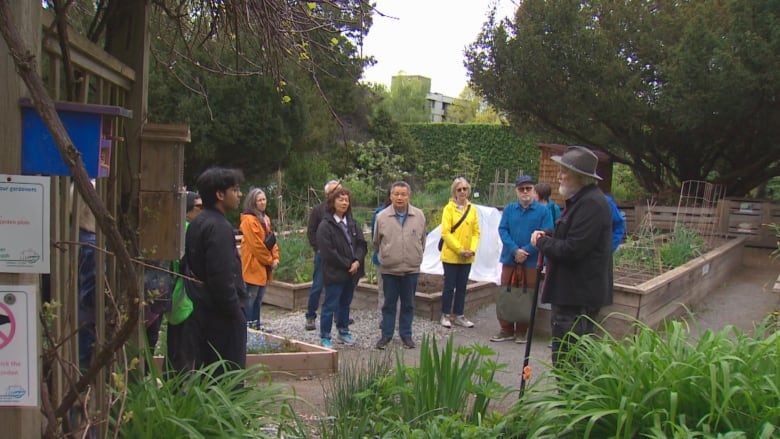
[457, 253]
[259, 253]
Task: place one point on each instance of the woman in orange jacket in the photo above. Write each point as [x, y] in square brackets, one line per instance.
[259, 253]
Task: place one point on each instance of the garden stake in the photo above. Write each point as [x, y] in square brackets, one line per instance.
[525, 372]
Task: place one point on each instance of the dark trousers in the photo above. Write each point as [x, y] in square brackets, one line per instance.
[208, 335]
[568, 320]
[456, 276]
[398, 287]
[317, 284]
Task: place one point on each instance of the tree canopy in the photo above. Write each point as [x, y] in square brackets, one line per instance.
[677, 90]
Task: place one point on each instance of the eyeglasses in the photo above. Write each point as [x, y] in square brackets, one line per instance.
[462, 189]
[525, 188]
[199, 206]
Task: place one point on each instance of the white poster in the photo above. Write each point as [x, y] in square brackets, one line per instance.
[24, 224]
[18, 346]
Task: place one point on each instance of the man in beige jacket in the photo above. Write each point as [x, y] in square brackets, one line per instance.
[399, 239]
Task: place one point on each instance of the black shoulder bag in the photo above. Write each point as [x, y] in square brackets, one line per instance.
[270, 236]
[455, 227]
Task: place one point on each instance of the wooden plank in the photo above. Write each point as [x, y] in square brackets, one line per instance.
[87, 55]
[310, 360]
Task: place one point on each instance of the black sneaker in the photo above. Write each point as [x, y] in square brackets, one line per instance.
[382, 343]
[310, 326]
[408, 342]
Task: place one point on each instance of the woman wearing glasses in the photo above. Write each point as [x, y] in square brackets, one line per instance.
[259, 254]
[460, 236]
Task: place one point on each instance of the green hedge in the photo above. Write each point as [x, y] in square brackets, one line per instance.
[474, 150]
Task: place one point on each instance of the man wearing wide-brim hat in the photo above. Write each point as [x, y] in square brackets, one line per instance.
[578, 251]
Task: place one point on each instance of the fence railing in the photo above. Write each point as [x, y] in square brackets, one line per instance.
[738, 217]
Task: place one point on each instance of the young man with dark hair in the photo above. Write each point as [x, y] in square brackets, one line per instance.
[217, 327]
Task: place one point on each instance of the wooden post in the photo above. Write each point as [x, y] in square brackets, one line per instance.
[18, 422]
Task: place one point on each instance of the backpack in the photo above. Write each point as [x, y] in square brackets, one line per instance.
[181, 304]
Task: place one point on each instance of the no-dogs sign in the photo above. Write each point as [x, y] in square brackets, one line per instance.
[18, 346]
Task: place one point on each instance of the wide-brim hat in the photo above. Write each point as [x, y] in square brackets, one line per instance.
[579, 159]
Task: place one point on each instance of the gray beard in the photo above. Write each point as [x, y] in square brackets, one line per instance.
[565, 191]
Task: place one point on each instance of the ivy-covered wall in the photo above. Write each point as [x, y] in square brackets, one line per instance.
[474, 150]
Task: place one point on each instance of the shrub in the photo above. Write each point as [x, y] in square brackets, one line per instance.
[659, 384]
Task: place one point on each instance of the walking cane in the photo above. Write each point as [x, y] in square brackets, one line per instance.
[530, 336]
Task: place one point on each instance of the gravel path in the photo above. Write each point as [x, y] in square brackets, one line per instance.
[365, 329]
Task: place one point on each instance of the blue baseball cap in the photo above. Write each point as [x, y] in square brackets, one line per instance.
[524, 179]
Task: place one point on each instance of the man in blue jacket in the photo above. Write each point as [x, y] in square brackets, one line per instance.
[518, 257]
[579, 251]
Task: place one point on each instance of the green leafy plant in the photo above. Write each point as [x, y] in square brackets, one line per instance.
[237, 404]
[449, 392]
[453, 381]
[296, 258]
[359, 399]
[655, 252]
[684, 245]
[659, 384]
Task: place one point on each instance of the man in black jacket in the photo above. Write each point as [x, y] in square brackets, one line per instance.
[578, 251]
[217, 327]
[315, 218]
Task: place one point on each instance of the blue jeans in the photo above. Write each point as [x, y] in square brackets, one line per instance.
[398, 287]
[254, 302]
[316, 288]
[456, 276]
[338, 298]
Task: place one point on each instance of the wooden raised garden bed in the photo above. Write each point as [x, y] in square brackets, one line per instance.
[303, 360]
[427, 299]
[427, 303]
[666, 295]
[286, 295]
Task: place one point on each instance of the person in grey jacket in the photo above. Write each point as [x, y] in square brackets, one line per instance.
[399, 239]
[579, 251]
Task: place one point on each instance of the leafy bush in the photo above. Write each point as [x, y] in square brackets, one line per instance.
[659, 384]
[625, 186]
[198, 405]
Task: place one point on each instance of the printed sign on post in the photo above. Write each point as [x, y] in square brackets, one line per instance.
[18, 346]
[24, 224]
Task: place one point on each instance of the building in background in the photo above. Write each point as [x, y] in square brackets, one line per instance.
[437, 103]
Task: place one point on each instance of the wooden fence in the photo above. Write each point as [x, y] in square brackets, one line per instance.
[737, 217]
